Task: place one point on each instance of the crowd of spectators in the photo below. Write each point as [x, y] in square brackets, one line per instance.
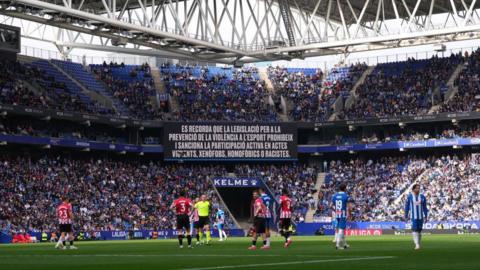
[106, 194]
[303, 90]
[378, 187]
[137, 91]
[403, 88]
[311, 94]
[468, 130]
[373, 184]
[117, 194]
[68, 130]
[49, 94]
[467, 99]
[229, 95]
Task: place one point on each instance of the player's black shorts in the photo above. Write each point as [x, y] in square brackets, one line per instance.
[202, 221]
[259, 224]
[267, 223]
[65, 228]
[183, 222]
[285, 223]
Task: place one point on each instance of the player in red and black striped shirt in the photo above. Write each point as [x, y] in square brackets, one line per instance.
[183, 208]
[285, 216]
[259, 214]
[65, 221]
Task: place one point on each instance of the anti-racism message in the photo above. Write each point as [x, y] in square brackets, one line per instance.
[230, 141]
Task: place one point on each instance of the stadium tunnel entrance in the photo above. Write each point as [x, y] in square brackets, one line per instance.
[236, 193]
[238, 201]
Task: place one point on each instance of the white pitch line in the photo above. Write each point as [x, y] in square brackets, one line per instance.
[156, 255]
[290, 263]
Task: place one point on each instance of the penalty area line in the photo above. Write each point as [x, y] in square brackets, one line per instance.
[291, 263]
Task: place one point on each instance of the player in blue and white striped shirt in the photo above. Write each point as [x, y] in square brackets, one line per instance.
[416, 208]
[341, 212]
[268, 215]
[220, 219]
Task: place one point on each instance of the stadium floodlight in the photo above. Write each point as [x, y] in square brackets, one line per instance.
[439, 47]
[120, 41]
[351, 128]
[47, 118]
[402, 149]
[3, 143]
[86, 149]
[4, 4]
[141, 154]
[316, 129]
[351, 152]
[122, 152]
[455, 122]
[47, 146]
[457, 147]
[402, 124]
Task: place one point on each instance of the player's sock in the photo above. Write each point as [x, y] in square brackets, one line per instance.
[415, 241]
[180, 240]
[287, 236]
[189, 240]
[200, 235]
[220, 234]
[224, 234]
[71, 243]
[60, 240]
[208, 235]
[268, 241]
[254, 242]
[197, 236]
[264, 242]
[419, 238]
[340, 238]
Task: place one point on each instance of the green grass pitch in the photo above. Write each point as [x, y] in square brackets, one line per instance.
[382, 252]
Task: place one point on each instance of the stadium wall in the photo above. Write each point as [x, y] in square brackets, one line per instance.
[327, 228]
[126, 235]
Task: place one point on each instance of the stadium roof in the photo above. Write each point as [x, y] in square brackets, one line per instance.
[440, 6]
[241, 31]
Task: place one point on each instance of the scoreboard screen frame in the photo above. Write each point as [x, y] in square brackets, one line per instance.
[16, 48]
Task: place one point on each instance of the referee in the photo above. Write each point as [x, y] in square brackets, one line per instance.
[203, 208]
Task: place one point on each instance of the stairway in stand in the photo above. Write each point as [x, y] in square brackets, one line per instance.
[318, 185]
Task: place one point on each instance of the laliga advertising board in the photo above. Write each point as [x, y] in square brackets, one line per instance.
[230, 141]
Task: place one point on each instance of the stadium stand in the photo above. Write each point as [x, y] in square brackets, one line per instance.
[54, 90]
[134, 87]
[108, 194]
[402, 88]
[378, 186]
[410, 88]
[211, 93]
[78, 72]
[466, 97]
